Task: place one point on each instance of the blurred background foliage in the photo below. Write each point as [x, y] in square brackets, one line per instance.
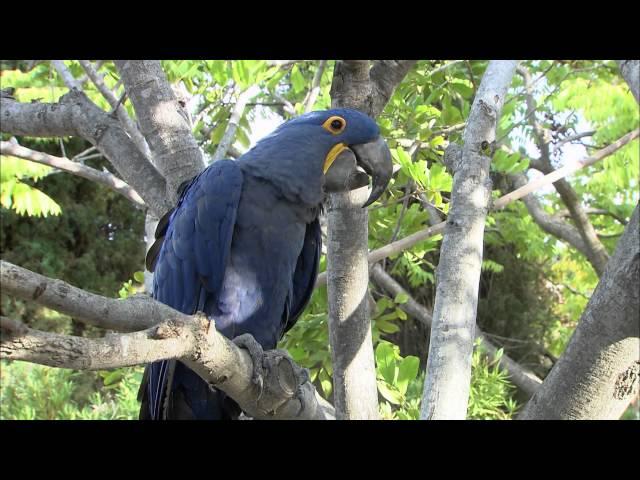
[533, 287]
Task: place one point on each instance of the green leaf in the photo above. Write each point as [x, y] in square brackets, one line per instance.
[297, 79]
[390, 393]
[407, 371]
[32, 202]
[138, 276]
[401, 298]
[385, 361]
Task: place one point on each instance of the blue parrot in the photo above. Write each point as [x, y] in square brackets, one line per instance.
[243, 244]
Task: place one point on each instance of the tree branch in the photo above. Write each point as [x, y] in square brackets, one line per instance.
[314, 91]
[630, 70]
[598, 373]
[76, 115]
[523, 378]
[69, 80]
[234, 121]
[168, 334]
[596, 252]
[103, 178]
[447, 384]
[549, 223]
[127, 123]
[355, 86]
[163, 122]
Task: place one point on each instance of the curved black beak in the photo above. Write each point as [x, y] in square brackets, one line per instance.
[375, 159]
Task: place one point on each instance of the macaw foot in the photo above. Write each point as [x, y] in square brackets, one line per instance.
[292, 374]
[256, 353]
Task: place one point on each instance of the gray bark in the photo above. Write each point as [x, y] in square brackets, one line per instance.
[66, 75]
[163, 122]
[168, 334]
[128, 124]
[354, 86]
[524, 379]
[630, 70]
[354, 375]
[104, 178]
[75, 114]
[446, 390]
[598, 373]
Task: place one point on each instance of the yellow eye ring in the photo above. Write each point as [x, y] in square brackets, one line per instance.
[335, 124]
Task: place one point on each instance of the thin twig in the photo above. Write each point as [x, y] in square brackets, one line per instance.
[104, 178]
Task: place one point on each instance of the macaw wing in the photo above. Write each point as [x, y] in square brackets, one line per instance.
[304, 278]
[191, 252]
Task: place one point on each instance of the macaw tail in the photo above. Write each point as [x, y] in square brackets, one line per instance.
[189, 398]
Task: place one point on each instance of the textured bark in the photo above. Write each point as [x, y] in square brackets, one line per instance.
[354, 376]
[104, 178]
[76, 115]
[163, 122]
[354, 86]
[169, 334]
[128, 124]
[66, 75]
[523, 378]
[134, 313]
[598, 373]
[446, 390]
[630, 70]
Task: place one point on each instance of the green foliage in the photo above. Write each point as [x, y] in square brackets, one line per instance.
[36, 392]
[400, 385]
[15, 193]
[491, 393]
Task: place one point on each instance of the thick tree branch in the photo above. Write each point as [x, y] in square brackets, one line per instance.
[630, 70]
[128, 124]
[446, 389]
[598, 373]
[597, 253]
[163, 122]
[524, 379]
[75, 114]
[169, 334]
[103, 178]
[355, 86]
[367, 89]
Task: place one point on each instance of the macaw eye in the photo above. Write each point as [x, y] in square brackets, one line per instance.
[335, 124]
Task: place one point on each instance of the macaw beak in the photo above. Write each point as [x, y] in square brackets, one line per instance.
[342, 172]
[375, 159]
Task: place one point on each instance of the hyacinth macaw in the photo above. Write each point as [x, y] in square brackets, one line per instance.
[243, 243]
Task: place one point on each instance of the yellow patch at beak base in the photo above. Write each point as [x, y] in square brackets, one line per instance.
[331, 156]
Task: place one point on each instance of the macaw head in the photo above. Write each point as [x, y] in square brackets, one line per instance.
[321, 151]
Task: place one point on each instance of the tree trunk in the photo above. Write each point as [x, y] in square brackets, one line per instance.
[446, 390]
[598, 373]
